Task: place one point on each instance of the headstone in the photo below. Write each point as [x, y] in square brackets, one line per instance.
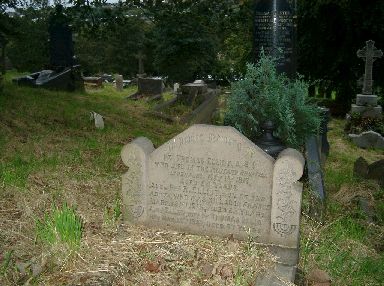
[150, 86]
[176, 87]
[360, 168]
[369, 54]
[193, 92]
[366, 103]
[315, 176]
[275, 32]
[119, 82]
[323, 138]
[376, 171]
[211, 180]
[369, 139]
[99, 120]
[61, 43]
[65, 75]
[141, 57]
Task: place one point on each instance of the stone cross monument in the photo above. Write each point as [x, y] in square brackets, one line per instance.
[369, 54]
[141, 57]
[366, 103]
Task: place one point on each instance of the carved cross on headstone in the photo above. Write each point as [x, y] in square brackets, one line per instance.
[140, 56]
[369, 53]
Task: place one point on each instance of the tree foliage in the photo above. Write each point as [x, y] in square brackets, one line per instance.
[265, 95]
[330, 33]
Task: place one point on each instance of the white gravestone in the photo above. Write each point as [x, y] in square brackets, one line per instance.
[212, 180]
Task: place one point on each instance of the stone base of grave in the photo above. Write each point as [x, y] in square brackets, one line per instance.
[367, 111]
[284, 270]
[366, 100]
[211, 180]
[281, 275]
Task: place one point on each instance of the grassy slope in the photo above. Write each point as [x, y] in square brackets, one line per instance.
[50, 153]
[345, 244]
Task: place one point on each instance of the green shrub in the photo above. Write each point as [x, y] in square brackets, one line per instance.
[358, 124]
[265, 95]
[62, 225]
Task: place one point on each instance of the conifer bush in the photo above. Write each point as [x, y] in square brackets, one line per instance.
[264, 95]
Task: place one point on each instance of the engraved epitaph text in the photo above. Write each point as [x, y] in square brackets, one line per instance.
[275, 32]
[212, 180]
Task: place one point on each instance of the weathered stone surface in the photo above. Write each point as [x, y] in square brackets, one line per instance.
[376, 171]
[366, 100]
[280, 275]
[369, 139]
[360, 168]
[193, 92]
[315, 175]
[212, 180]
[275, 32]
[119, 83]
[367, 111]
[369, 54]
[286, 198]
[150, 86]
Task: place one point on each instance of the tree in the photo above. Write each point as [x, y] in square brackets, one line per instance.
[28, 47]
[330, 33]
[190, 37]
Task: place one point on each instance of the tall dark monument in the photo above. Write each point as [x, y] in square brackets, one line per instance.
[61, 44]
[63, 74]
[275, 31]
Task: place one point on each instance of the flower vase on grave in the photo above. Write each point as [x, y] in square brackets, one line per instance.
[269, 143]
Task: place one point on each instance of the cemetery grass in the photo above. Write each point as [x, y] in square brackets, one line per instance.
[58, 173]
[349, 242]
[53, 163]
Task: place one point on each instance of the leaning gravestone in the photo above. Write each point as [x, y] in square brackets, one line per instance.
[212, 180]
[275, 33]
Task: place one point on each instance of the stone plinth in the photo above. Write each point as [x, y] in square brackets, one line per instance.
[212, 180]
[366, 100]
[367, 111]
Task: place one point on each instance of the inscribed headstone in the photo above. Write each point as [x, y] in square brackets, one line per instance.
[61, 44]
[212, 180]
[275, 32]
